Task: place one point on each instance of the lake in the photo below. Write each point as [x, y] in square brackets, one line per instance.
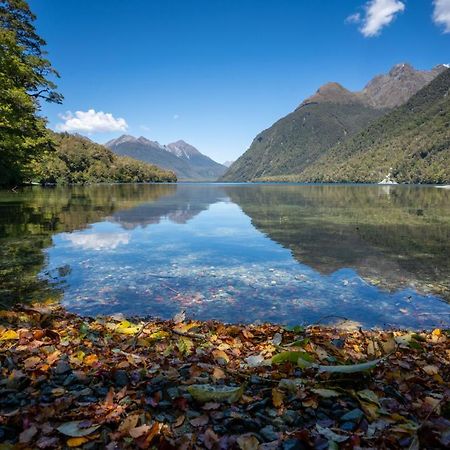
[290, 254]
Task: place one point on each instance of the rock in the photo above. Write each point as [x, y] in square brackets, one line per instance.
[348, 426]
[352, 416]
[173, 392]
[268, 433]
[62, 367]
[293, 444]
[290, 417]
[121, 378]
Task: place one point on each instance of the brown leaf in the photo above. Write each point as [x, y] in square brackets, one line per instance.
[137, 432]
[247, 442]
[128, 423]
[199, 421]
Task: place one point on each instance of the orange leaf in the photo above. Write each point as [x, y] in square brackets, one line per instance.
[76, 441]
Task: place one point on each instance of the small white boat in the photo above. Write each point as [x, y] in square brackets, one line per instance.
[388, 179]
[446, 186]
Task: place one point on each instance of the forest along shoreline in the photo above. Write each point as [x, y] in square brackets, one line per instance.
[112, 383]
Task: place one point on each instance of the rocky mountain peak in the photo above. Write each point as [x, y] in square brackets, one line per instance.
[182, 149]
[332, 93]
[398, 85]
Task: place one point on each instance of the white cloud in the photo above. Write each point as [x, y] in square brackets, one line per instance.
[98, 241]
[176, 117]
[378, 14]
[354, 18]
[441, 14]
[91, 121]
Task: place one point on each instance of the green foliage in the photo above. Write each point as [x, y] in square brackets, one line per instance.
[300, 138]
[24, 80]
[77, 160]
[413, 140]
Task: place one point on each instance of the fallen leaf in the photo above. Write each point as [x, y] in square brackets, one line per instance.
[90, 360]
[76, 429]
[128, 423]
[430, 369]
[9, 335]
[76, 441]
[247, 442]
[199, 421]
[208, 392]
[137, 432]
[277, 397]
[326, 393]
[221, 357]
[330, 435]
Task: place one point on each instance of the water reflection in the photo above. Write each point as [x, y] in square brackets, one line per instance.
[235, 252]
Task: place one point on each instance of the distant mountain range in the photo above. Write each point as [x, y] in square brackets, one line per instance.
[324, 122]
[182, 158]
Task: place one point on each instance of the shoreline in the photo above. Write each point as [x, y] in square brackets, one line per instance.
[71, 381]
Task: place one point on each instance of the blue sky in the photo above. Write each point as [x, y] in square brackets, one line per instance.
[217, 72]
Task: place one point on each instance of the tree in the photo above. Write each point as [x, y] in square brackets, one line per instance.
[24, 82]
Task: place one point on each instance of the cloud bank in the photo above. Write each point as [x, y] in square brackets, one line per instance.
[91, 121]
[98, 241]
[441, 14]
[377, 15]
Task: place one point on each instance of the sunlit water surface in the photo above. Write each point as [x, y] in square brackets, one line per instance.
[289, 254]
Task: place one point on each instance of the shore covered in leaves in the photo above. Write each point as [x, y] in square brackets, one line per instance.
[72, 382]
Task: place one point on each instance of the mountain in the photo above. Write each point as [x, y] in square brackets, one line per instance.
[330, 116]
[227, 163]
[302, 137]
[79, 160]
[396, 87]
[412, 143]
[182, 158]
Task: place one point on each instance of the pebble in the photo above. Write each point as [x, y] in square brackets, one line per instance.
[348, 426]
[293, 444]
[269, 433]
[62, 367]
[352, 416]
[121, 378]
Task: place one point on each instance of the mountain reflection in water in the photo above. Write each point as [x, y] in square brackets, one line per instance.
[283, 253]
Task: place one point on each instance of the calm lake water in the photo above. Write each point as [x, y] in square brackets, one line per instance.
[292, 254]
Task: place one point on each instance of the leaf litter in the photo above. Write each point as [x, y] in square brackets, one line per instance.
[109, 383]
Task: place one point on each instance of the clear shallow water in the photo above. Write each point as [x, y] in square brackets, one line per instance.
[244, 253]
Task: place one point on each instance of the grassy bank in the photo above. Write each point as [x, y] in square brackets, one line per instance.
[109, 383]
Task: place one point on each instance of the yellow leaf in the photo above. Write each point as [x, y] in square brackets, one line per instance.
[436, 332]
[76, 441]
[221, 357]
[277, 397]
[9, 335]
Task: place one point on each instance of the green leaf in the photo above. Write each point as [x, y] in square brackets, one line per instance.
[295, 328]
[352, 368]
[368, 395]
[211, 393]
[292, 357]
[185, 345]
